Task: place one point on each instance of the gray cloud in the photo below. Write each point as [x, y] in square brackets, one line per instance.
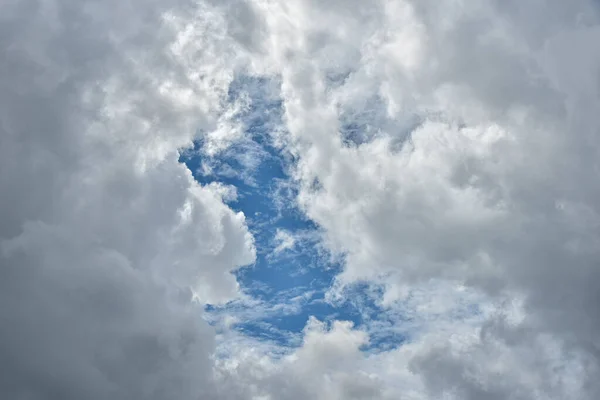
[495, 188]
[102, 231]
[479, 168]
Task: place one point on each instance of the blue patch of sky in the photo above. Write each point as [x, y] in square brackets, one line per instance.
[289, 286]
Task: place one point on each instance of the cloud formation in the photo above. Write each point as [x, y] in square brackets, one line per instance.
[103, 232]
[444, 141]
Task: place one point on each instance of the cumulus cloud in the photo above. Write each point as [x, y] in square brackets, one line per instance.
[105, 237]
[480, 170]
[446, 141]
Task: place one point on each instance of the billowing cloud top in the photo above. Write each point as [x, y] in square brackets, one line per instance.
[446, 150]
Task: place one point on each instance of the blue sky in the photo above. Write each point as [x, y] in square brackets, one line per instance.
[287, 284]
[293, 272]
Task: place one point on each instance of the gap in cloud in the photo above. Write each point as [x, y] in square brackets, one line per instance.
[361, 123]
[293, 272]
[367, 119]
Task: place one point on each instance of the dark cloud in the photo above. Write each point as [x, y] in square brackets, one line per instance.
[102, 231]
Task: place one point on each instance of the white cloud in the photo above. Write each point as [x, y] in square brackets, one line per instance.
[102, 230]
[284, 241]
[506, 96]
[479, 167]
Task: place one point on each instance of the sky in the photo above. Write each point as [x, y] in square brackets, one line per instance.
[264, 200]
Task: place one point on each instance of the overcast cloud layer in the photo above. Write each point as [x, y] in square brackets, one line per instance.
[447, 150]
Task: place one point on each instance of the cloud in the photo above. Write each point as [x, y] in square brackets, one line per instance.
[434, 141]
[493, 186]
[103, 232]
[327, 366]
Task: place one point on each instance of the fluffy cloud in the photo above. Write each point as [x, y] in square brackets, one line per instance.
[480, 169]
[435, 140]
[103, 232]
